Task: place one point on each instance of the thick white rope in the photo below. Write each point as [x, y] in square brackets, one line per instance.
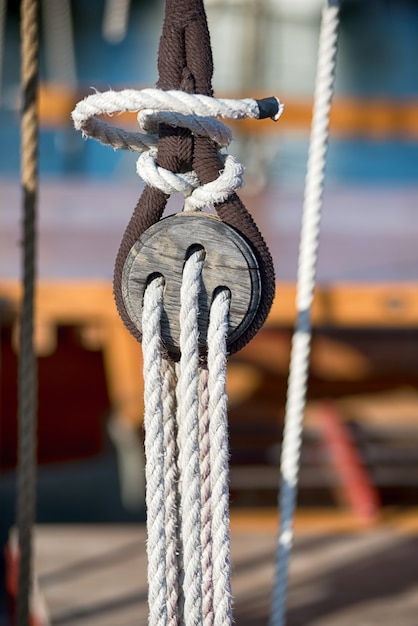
[299, 362]
[192, 544]
[178, 102]
[206, 499]
[219, 457]
[171, 477]
[154, 451]
[196, 112]
[188, 440]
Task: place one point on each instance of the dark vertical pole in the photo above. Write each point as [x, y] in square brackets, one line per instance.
[27, 376]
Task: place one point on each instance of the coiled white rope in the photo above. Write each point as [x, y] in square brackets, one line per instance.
[299, 362]
[187, 493]
[177, 108]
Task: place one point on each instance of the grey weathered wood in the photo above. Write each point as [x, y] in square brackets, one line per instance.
[229, 262]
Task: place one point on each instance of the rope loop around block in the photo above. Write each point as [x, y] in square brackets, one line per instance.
[195, 112]
[181, 138]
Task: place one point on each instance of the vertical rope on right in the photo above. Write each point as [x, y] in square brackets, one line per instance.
[219, 457]
[299, 361]
[206, 499]
[27, 375]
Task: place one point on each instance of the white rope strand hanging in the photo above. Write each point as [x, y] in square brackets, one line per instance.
[299, 362]
[154, 451]
[188, 439]
[219, 457]
[188, 562]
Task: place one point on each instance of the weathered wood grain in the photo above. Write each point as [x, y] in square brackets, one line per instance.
[229, 262]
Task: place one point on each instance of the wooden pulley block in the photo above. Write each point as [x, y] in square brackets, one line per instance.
[163, 249]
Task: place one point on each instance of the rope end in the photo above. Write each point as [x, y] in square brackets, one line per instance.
[270, 107]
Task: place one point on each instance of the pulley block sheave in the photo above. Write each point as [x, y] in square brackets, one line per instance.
[229, 262]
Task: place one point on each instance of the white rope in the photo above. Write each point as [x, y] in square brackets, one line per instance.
[188, 439]
[177, 108]
[206, 499]
[179, 102]
[187, 462]
[197, 196]
[154, 451]
[171, 495]
[299, 363]
[219, 457]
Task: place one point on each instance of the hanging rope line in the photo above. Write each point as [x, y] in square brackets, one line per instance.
[186, 427]
[299, 362]
[27, 374]
[185, 75]
[175, 544]
[219, 458]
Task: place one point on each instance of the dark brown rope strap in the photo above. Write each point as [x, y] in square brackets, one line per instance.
[185, 63]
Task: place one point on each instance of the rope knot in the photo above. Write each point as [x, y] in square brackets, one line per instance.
[195, 112]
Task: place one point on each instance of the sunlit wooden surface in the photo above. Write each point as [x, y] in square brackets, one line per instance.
[340, 574]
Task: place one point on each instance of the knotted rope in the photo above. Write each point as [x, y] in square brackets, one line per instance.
[188, 145]
[301, 341]
[186, 431]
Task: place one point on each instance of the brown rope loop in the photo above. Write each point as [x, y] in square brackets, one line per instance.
[185, 63]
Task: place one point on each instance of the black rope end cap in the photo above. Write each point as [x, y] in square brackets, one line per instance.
[270, 107]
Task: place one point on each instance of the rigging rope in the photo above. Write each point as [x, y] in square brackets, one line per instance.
[186, 430]
[27, 375]
[175, 549]
[299, 362]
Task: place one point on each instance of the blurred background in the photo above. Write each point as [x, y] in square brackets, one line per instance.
[360, 450]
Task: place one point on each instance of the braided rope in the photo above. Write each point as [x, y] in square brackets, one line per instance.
[188, 437]
[206, 499]
[177, 102]
[27, 376]
[195, 112]
[299, 362]
[154, 451]
[198, 559]
[171, 495]
[219, 457]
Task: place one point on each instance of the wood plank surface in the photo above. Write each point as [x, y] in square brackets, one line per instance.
[97, 575]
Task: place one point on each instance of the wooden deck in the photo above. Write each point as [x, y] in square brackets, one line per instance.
[340, 575]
